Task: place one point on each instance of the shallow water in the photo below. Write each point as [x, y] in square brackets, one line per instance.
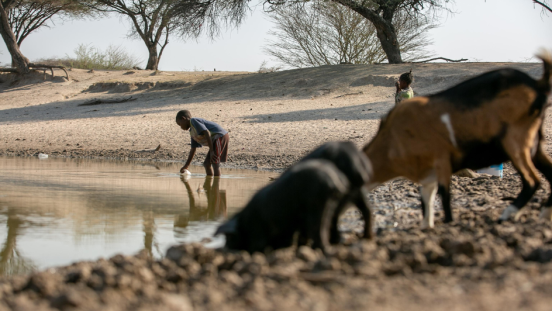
[57, 211]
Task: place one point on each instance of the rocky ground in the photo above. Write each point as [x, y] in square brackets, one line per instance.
[470, 264]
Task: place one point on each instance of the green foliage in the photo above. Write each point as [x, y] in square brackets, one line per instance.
[90, 57]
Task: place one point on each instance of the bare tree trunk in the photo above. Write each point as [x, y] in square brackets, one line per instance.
[384, 26]
[388, 38]
[20, 61]
[153, 60]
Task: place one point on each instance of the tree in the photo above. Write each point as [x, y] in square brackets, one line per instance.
[544, 5]
[381, 14]
[19, 18]
[328, 33]
[27, 16]
[20, 61]
[153, 21]
[208, 16]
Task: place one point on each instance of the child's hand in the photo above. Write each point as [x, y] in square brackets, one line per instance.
[397, 85]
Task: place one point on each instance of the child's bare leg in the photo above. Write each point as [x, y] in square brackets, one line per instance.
[216, 168]
[207, 165]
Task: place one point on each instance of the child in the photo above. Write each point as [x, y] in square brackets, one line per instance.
[205, 133]
[404, 91]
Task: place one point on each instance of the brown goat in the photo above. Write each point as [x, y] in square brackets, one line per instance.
[487, 120]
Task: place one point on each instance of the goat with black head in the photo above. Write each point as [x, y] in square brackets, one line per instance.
[301, 201]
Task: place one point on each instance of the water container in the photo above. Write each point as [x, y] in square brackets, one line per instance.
[42, 156]
[495, 170]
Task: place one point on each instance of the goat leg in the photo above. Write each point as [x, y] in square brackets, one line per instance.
[363, 206]
[428, 198]
[521, 160]
[334, 235]
[444, 171]
[319, 226]
[544, 165]
[444, 192]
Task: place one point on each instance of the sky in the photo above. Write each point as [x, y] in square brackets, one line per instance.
[479, 30]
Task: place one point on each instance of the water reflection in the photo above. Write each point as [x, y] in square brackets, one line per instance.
[11, 261]
[214, 209]
[58, 211]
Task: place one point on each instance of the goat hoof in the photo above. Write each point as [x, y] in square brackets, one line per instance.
[509, 211]
[546, 213]
[427, 225]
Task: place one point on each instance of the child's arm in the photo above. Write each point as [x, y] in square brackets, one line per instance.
[189, 161]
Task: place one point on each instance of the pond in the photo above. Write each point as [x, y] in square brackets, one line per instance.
[57, 211]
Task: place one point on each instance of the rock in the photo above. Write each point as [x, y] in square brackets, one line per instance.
[75, 297]
[307, 254]
[45, 283]
[466, 173]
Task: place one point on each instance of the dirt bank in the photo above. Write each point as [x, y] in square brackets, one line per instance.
[273, 118]
[472, 264]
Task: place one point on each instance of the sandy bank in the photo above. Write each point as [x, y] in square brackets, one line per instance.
[273, 118]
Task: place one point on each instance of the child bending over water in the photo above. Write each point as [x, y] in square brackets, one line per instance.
[204, 133]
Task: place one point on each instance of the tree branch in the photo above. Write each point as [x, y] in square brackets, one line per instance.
[543, 5]
[445, 59]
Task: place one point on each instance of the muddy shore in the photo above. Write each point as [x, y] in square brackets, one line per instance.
[470, 264]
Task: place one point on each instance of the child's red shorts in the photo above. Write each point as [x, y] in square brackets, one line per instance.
[220, 148]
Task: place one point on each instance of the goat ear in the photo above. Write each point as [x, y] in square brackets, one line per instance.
[228, 227]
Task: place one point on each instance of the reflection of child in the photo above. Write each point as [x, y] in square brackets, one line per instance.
[404, 91]
[215, 209]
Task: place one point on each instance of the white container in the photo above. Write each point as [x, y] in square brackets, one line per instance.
[495, 170]
[186, 172]
[42, 156]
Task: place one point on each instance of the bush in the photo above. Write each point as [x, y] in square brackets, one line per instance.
[90, 57]
[264, 68]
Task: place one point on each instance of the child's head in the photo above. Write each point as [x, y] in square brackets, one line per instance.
[406, 79]
[183, 119]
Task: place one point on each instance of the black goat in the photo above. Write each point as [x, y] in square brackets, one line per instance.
[302, 200]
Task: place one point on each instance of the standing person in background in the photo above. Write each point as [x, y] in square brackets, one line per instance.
[205, 133]
[404, 91]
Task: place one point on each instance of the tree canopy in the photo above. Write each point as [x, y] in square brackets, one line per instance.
[26, 16]
[153, 22]
[19, 18]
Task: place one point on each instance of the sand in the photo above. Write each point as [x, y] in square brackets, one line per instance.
[273, 118]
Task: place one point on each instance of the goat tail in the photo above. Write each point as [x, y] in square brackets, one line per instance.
[546, 57]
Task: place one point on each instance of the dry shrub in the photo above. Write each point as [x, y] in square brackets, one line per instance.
[90, 57]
